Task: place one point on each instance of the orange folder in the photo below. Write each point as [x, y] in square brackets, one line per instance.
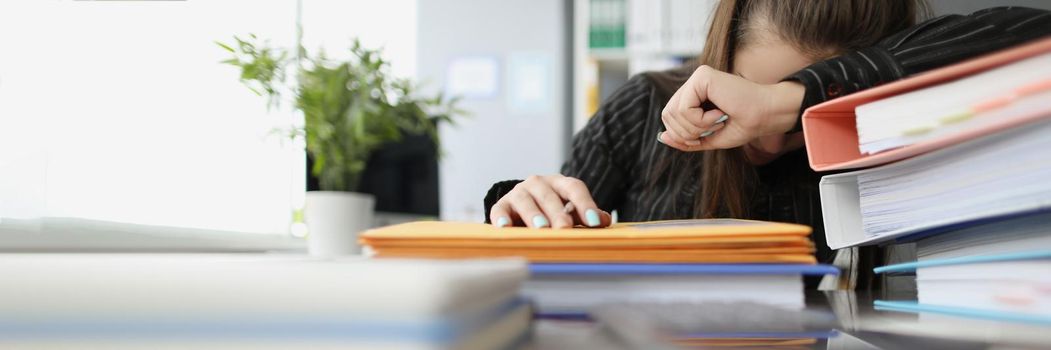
[832, 136]
[683, 241]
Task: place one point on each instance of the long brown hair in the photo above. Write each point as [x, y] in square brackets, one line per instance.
[819, 28]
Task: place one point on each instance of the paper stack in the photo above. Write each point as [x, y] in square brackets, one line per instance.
[975, 195]
[685, 241]
[996, 270]
[976, 132]
[1013, 91]
[575, 270]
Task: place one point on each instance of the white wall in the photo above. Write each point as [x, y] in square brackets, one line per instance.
[389, 24]
[502, 139]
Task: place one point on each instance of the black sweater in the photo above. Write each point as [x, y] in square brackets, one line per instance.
[616, 153]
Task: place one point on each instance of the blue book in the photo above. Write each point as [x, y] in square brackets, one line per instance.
[563, 269]
[974, 259]
[1004, 287]
[916, 307]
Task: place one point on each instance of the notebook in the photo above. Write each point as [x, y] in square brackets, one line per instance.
[831, 131]
[681, 241]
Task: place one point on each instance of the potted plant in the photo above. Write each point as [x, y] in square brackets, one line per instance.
[350, 109]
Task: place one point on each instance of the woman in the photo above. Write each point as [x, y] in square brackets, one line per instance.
[739, 108]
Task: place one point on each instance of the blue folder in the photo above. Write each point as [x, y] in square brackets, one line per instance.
[974, 259]
[563, 269]
[914, 307]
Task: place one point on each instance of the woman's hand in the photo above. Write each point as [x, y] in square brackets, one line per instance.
[747, 111]
[540, 201]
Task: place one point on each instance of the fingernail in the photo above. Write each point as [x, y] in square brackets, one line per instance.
[659, 137]
[722, 119]
[503, 221]
[592, 217]
[693, 142]
[707, 133]
[540, 221]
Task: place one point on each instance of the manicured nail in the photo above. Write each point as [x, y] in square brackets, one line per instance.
[707, 133]
[659, 137]
[503, 221]
[592, 217]
[540, 221]
[722, 119]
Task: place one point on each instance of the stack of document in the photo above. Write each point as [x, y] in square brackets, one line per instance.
[996, 175]
[1007, 287]
[135, 300]
[1018, 90]
[975, 195]
[996, 270]
[576, 270]
[930, 111]
[1001, 175]
[682, 241]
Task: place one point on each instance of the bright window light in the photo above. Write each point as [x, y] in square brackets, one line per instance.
[123, 113]
[120, 110]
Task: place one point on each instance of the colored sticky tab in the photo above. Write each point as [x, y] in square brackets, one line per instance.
[993, 103]
[956, 118]
[923, 129]
[1033, 88]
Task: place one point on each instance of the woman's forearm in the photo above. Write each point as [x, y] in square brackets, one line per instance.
[785, 107]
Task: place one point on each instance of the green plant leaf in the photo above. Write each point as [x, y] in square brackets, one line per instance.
[224, 46]
[350, 107]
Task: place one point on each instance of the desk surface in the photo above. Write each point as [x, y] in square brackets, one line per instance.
[856, 325]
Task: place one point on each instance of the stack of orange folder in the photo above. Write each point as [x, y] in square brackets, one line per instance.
[679, 241]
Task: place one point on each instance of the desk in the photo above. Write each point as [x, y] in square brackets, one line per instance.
[857, 326]
[846, 320]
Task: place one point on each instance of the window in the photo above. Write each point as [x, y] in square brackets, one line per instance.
[120, 110]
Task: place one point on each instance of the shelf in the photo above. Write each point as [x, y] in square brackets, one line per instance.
[609, 54]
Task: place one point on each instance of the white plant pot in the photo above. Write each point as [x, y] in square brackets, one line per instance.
[334, 219]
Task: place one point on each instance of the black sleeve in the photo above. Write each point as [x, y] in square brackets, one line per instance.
[497, 191]
[605, 149]
[932, 44]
